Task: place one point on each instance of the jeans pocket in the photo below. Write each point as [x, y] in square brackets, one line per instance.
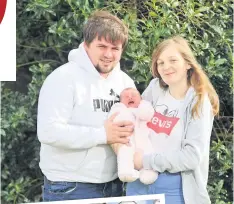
[117, 188]
[58, 187]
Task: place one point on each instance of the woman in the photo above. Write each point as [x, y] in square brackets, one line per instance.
[185, 103]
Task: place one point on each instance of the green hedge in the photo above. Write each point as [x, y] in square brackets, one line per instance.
[48, 29]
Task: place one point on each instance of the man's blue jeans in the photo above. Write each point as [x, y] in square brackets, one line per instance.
[60, 190]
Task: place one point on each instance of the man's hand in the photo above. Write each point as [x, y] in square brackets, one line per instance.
[119, 132]
[138, 159]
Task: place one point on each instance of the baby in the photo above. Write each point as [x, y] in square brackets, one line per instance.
[138, 111]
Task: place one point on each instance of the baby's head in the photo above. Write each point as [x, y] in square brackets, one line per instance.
[130, 97]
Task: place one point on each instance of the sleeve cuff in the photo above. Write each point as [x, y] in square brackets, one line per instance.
[100, 136]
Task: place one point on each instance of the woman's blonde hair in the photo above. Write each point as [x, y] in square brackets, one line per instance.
[195, 75]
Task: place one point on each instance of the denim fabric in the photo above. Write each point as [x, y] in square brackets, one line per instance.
[60, 190]
[168, 184]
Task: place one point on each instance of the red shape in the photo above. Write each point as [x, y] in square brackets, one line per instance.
[162, 124]
[2, 9]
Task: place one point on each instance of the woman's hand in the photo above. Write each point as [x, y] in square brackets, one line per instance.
[138, 159]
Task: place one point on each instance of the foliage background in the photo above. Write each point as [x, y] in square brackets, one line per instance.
[48, 29]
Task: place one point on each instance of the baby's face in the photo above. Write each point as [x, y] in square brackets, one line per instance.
[130, 98]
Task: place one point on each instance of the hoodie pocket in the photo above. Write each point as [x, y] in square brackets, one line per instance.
[69, 160]
[99, 160]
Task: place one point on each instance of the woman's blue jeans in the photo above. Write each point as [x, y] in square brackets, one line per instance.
[167, 183]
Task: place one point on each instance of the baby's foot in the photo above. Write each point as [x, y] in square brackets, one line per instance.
[129, 177]
[148, 176]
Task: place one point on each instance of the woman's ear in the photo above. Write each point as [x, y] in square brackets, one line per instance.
[188, 66]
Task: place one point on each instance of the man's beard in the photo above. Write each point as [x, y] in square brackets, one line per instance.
[103, 71]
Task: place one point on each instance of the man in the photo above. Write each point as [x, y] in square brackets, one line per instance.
[75, 157]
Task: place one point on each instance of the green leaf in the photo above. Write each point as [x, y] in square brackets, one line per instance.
[202, 9]
[175, 4]
[220, 61]
[152, 14]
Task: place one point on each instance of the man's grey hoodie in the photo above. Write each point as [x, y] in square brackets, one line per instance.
[73, 104]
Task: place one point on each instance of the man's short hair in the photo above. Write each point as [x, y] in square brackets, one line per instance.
[103, 24]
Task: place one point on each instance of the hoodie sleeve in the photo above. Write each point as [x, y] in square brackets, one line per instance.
[55, 108]
[147, 94]
[195, 147]
[127, 81]
[152, 90]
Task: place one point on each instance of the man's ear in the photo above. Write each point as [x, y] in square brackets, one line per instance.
[86, 45]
